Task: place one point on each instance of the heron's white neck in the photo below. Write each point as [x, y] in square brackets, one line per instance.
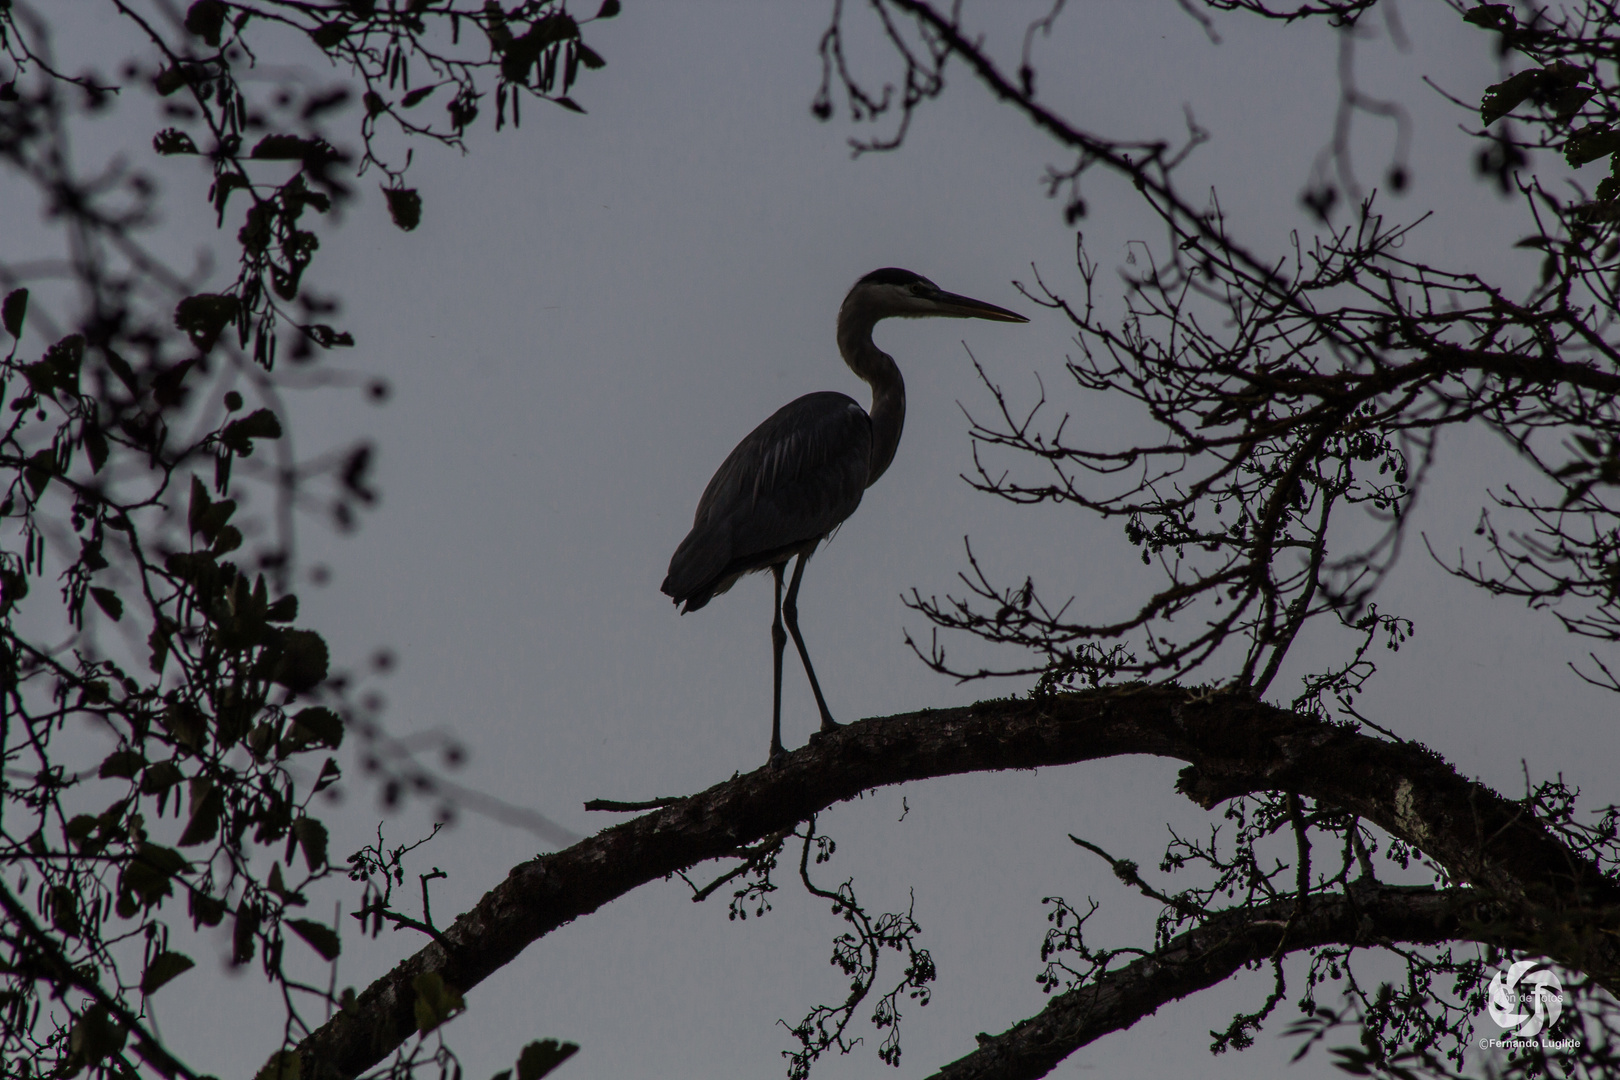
[879, 371]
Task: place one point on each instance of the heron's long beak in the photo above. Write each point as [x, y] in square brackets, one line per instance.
[965, 307]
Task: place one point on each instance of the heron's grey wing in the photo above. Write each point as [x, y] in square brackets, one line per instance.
[792, 480]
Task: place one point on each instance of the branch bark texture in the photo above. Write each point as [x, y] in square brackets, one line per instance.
[1233, 745]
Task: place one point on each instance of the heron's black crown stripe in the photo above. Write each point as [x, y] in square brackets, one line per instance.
[891, 275]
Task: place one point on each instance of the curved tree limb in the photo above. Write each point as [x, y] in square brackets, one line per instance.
[1210, 954]
[1232, 744]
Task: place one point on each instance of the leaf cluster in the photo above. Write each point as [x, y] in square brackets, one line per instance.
[169, 728]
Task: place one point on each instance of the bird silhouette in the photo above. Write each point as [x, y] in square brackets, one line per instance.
[798, 476]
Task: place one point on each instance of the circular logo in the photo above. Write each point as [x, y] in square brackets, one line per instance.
[1526, 998]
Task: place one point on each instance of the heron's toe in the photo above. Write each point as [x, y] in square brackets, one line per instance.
[817, 736]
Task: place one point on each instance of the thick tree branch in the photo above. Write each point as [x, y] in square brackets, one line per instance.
[1233, 744]
[1198, 959]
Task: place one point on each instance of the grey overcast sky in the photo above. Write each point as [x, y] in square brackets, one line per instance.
[596, 308]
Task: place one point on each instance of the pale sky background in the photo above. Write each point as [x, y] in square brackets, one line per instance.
[595, 309]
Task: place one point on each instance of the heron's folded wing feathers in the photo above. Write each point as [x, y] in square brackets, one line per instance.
[795, 478]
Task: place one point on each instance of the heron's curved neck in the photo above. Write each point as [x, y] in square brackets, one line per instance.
[883, 376]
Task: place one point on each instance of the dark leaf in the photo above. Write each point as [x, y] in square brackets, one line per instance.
[150, 875]
[206, 910]
[296, 148]
[206, 18]
[279, 148]
[256, 231]
[173, 78]
[542, 1056]
[108, 602]
[37, 472]
[318, 725]
[1507, 95]
[463, 110]
[1566, 102]
[221, 191]
[260, 737]
[185, 723]
[330, 774]
[90, 555]
[205, 814]
[329, 34]
[164, 967]
[59, 368]
[323, 939]
[311, 836]
[65, 359]
[328, 338]
[204, 317]
[589, 56]
[275, 882]
[64, 904]
[1491, 16]
[303, 660]
[213, 521]
[404, 206]
[95, 444]
[609, 9]
[417, 96]
[95, 1036]
[242, 937]
[12, 311]
[123, 764]
[200, 503]
[13, 587]
[120, 367]
[570, 104]
[1591, 143]
[276, 885]
[41, 378]
[259, 424]
[520, 53]
[160, 777]
[228, 539]
[157, 643]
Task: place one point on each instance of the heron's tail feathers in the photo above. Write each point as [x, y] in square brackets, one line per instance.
[697, 570]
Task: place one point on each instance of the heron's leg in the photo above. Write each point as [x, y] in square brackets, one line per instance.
[790, 611]
[778, 642]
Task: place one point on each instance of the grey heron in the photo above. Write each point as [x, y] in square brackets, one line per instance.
[801, 473]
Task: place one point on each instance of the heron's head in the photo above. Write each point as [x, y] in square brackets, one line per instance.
[895, 293]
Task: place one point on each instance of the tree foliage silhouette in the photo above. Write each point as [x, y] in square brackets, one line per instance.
[1289, 415]
[164, 716]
